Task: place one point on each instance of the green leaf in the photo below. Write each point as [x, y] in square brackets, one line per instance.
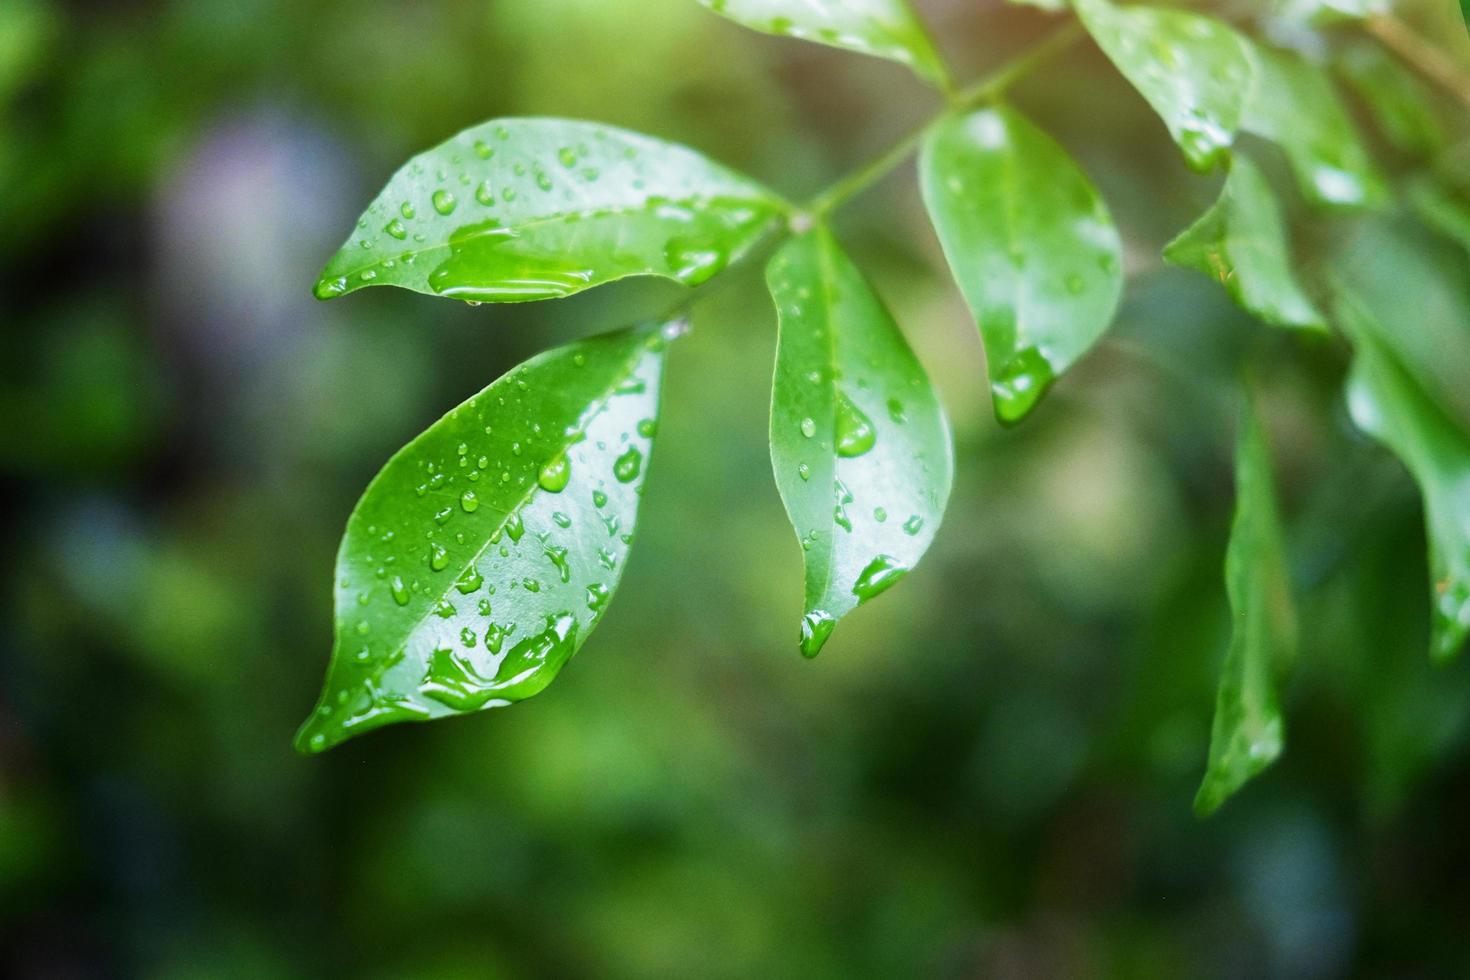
[482, 556]
[1441, 209]
[1401, 106]
[1322, 13]
[1030, 243]
[1389, 404]
[1194, 70]
[1297, 108]
[1241, 242]
[528, 209]
[860, 445]
[1247, 734]
[882, 28]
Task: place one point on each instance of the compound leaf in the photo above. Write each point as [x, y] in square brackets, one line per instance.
[527, 209]
[1388, 403]
[1241, 242]
[1297, 108]
[481, 557]
[882, 28]
[1194, 70]
[1030, 243]
[859, 443]
[1247, 734]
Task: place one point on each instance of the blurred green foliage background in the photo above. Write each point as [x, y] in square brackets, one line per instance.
[987, 773]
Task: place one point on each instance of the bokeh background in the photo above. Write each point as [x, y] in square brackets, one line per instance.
[987, 773]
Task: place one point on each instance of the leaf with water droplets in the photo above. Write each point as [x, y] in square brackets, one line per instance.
[1296, 107]
[1241, 243]
[1390, 403]
[1247, 735]
[864, 486]
[479, 611]
[527, 209]
[1194, 70]
[882, 28]
[1030, 243]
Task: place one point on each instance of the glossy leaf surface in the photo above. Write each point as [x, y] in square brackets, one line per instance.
[1030, 243]
[1248, 734]
[882, 28]
[1297, 108]
[1389, 404]
[484, 553]
[1194, 70]
[528, 209]
[859, 443]
[1241, 243]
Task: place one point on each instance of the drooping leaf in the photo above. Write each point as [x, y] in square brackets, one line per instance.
[1247, 735]
[1030, 243]
[1389, 404]
[882, 28]
[1297, 108]
[481, 557]
[1400, 104]
[1194, 70]
[859, 442]
[1241, 242]
[1441, 209]
[526, 209]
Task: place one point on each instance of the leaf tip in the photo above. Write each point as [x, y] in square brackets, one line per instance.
[329, 287]
[816, 627]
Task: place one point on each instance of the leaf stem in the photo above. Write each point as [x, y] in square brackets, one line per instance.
[990, 87]
[1419, 54]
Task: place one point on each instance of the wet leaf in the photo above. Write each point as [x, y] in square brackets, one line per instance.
[528, 209]
[1389, 404]
[1297, 108]
[860, 445]
[882, 28]
[1247, 735]
[481, 557]
[1241, 243]
[1030, 243]
[1194, 70]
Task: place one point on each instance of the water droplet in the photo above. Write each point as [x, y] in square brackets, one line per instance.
[882, 573]
[599, 499]
[396, 229]
[406, 209]
[485, 194]
[470, 581]
[628, 465]
[438, 557]
[816, 626]
[839, 512]
[469, 501]
[597, 596]
[913, 525]
[1020, 385]
[555, 474]
[804, 471]
[561, 520]
[558, 558]
[880, 514]
[855, 432]
[647, 428]
[399, 590]
[567, 156]
[809, 427]
[443, 201]
[467, 637]
[896, 412]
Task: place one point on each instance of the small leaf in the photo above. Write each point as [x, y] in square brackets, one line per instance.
[482, 556]
[1296, 108]
[859, 443]
[1400, 105]
[1389, 404]
[1241, 243]
[1194, 70]
[528, 209]
[882, 28]
[1247, 735]
[1030, 243]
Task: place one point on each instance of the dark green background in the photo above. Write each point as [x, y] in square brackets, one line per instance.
[987, 773]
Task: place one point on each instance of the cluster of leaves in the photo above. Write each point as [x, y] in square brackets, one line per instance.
[482, 556]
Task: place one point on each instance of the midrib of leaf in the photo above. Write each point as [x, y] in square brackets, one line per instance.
[546, 219]
[599, 406]
[826, 266]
